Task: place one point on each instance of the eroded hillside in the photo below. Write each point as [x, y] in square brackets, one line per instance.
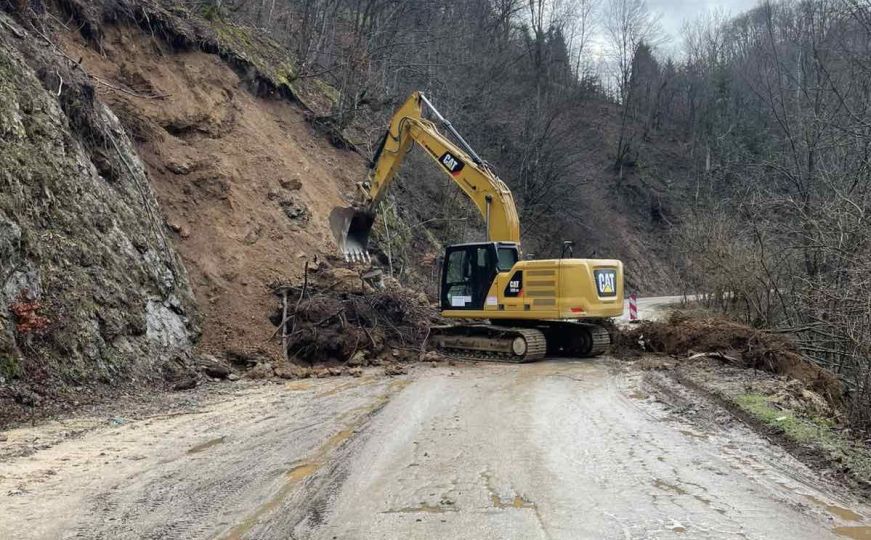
[131, 246]
[205, 151]
[245, 183]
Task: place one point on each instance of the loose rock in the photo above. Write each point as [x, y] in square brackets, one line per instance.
[263, 370]
[395, 369]
[292, 371]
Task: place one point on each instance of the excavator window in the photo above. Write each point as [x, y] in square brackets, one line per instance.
[507, 257]
[469, 271]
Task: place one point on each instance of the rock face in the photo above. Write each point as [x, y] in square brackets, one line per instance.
[82, 244]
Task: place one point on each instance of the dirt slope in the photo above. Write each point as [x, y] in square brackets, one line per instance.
[245, 183]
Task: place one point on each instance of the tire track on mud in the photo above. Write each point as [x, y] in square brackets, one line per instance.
[217, 473]
[313, 482]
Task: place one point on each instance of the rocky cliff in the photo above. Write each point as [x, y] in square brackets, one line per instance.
[91, 290]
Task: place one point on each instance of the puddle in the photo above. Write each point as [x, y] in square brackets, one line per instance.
[206, 445]
[301, 471]
[340, 437]
[299, 385]
[516, 502]
[339, 388]
[856, 533]
[838, 511]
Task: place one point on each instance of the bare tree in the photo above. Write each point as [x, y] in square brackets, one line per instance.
[629, 24]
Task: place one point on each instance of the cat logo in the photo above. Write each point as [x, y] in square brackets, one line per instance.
[452, 163]
[606, 282]
[515, 285]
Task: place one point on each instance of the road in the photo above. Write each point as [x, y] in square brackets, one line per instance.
[652, 308]
[556, 449]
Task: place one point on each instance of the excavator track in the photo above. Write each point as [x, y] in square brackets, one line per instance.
[575, 339]
[491, 343]
[601, 340]
[496, 343]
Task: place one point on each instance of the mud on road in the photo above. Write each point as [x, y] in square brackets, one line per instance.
[557, 449]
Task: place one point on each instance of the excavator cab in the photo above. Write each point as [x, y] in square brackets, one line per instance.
[469, 271]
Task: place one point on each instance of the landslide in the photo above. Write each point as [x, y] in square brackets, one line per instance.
[337, 318]
[244, 179]
[734, 343]
[759, 376]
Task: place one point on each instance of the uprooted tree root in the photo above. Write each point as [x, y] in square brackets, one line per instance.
[733, 342]
[356, 325]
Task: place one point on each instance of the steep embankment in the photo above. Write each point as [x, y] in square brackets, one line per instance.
[91, 289]
[126, 243]
[244, 182]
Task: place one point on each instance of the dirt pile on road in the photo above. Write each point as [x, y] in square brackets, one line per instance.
[338, 318]
[730, 342]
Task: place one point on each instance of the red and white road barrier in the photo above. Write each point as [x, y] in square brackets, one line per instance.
[633, 307]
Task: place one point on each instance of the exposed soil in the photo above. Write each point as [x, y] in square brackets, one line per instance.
[245, 183]
[736, 343]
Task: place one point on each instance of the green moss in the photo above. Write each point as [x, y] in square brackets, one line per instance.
[285, 73]
[212, 13]
[272, 61]
[234, 38]
[9, 367]
[811, 431]
[331, 93]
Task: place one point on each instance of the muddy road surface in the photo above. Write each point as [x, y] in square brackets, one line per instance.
[556, 449]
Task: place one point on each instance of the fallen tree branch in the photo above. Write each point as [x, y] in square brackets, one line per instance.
[715, 356]
[301, 295]
[15, 32]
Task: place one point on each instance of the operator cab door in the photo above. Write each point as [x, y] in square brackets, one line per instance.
[469, 271]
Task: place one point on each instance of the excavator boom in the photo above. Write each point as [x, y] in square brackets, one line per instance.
[351, 226]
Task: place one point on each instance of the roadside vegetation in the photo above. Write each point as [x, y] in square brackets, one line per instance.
[803, 428]
[763, 378]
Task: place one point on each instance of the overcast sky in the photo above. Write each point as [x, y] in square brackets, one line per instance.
[674, 12]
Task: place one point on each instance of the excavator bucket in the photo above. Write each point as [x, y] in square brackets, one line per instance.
[351, 228]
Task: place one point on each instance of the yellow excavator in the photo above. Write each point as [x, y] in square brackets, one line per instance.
[515, 310]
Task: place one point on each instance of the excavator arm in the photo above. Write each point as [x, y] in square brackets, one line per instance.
[351, 226]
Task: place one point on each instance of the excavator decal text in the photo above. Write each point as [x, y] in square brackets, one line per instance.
[452, 163]
[606, 282]
[515, 285]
